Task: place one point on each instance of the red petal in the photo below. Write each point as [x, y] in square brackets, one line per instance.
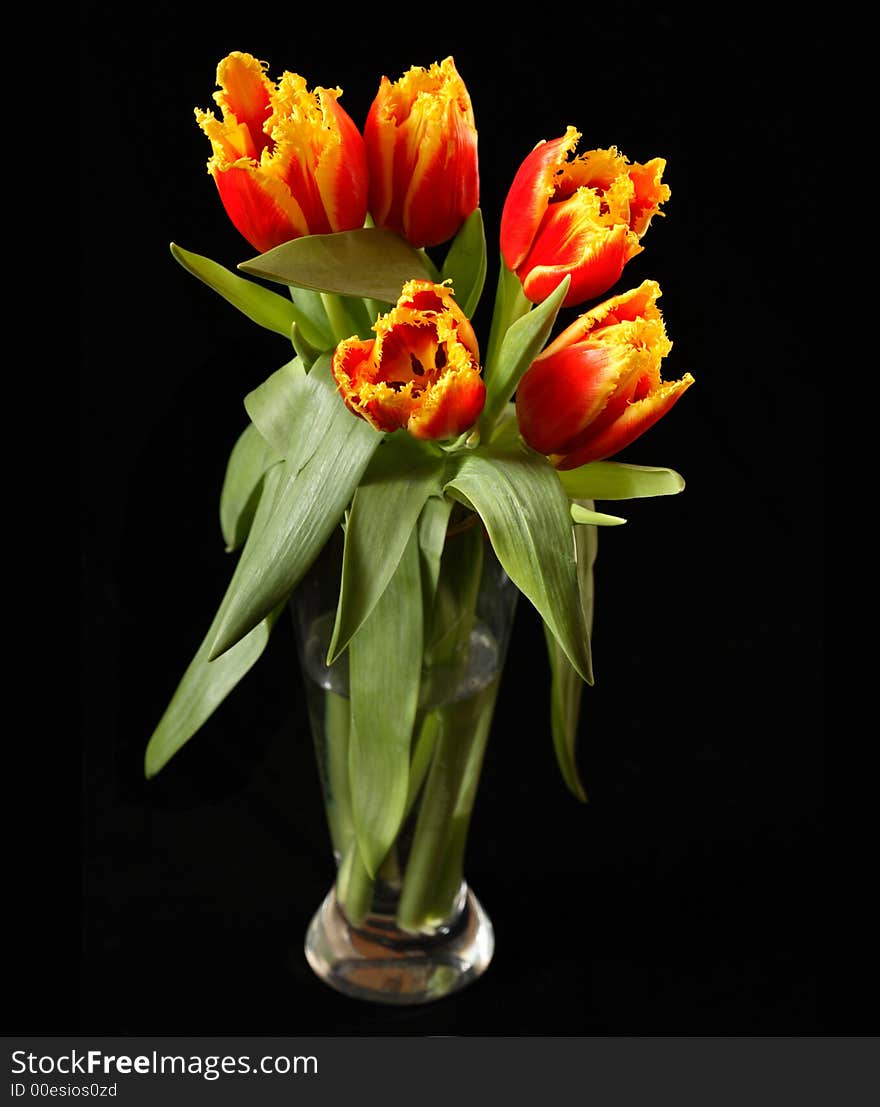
[559, 396]
[246, 92]
[259, 207]
[529, 195]
[635, 420]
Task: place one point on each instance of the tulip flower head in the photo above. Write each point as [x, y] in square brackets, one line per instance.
[421, 371]
[582, 217]
[422, 152]
[597, 387]
[287, 162]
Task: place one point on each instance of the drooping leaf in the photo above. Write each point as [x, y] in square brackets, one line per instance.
[465, 263]
[205, 684]
[386, 507]
[526, 513]
[250, 458]
[385, 660]
[317, 482]
[264, 307]
[520, 346]
[370, 262]
[566, 686]
[615, 480]
[595, 518]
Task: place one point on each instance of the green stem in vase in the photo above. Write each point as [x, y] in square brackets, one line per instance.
[337, 716]
[436, 860]
[448, 736]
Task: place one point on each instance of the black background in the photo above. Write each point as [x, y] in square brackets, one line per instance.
[681, 899]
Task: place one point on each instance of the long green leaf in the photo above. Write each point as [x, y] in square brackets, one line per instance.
[370, 262]
[566, 685]
[264, 307]
[384, 512]
[316, 486]
[250, 458]
[526, 514]
[385, 658]
[205, 684]
[465, 264]
[521, 344]
[614, 480]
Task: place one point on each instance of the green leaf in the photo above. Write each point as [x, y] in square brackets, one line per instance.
[385, 510]
[205, 684]
[465, 264]
[370, 262]
[595, 518]
[385, 661]
[263, 306]
[566, 686]
[250, 458]
[318, 480]
[521, 344]
[526, 514]
[278, 408]
[614, 480]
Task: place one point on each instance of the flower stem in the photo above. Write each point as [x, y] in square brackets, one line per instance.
[354, 886]
[337, 714]
[342, 318]
[434, 871]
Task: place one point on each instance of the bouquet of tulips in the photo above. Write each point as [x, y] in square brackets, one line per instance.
[392, 421]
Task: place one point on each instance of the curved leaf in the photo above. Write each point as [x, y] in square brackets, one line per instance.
[267, 308]
[317, 482]
[614, 480]
[205, 684]
[526, 514]
[370, 262]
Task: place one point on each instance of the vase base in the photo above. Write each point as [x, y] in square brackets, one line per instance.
[379, 963]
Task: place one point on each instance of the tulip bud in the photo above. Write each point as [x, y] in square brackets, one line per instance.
[422, 152]
[597, 387]
[421, 372]
[583, 218]
[287, 162]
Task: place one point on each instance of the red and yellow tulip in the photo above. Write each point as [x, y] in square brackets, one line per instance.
[582, 217]
[597, 387]
[287, 162]
[422, 154]
[422, 370]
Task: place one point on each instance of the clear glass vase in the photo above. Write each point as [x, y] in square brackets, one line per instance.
[415, 931]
